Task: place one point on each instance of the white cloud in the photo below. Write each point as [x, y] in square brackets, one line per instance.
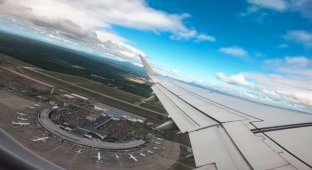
[292, 66]
[120, 49]
[300, 36]
[271, 87]
[252, 9]
[293, 89]
[283, 46]
[91, 22]
[234, 51]
[293, 62]
[304, 72]
[234, 79]
[93, 14]
[300, 61]
[304, 7]
[106, 36]
[169, 72]
[278, 5]
[175, 71]
[204, 37]
[289, 83]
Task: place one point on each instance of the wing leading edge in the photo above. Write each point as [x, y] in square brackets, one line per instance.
[226, 132]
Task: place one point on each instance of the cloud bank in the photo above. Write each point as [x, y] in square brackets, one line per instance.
[279, 5]
[304, 7]
[291, 81]
[92, 21]
[300, 36]
[239, 80]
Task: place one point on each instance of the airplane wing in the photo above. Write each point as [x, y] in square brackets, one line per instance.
[228, 132]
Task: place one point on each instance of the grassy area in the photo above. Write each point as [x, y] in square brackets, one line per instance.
[96, 86]
[110, 91]
[58, 59]
[107, 90]
[5, 59]
[67, 77]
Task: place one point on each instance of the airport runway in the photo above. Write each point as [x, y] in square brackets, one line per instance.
[92, 91]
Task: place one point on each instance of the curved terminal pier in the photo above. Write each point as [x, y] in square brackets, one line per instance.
[46, 123]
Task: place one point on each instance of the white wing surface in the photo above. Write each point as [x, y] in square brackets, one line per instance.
[228, 132]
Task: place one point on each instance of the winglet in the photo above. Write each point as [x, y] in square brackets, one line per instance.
[147, 67]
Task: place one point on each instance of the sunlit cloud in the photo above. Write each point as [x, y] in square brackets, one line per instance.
[291, 81]
[300, 36]
[239, 80]
[204, 37]
[304, 7]
[234, 51]
[91, 22]
[278, 5]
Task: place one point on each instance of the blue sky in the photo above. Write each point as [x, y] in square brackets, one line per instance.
[261, 39]
[258, 48]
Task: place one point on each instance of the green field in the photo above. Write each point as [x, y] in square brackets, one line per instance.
[107, 90]
[58, 59]
[110, 91]
[67, 77]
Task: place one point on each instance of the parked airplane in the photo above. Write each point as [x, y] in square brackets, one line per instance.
[99, 157]
[21, 114]
[79, 151]
[132, 157]
[42, 139]
[117, 157]
[20, 123]
[20, 118]
[37, 105]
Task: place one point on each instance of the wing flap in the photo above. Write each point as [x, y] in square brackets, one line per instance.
[257, 153]
[212, 145]
[298, 147]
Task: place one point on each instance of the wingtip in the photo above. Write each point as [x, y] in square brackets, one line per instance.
[146, 65]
